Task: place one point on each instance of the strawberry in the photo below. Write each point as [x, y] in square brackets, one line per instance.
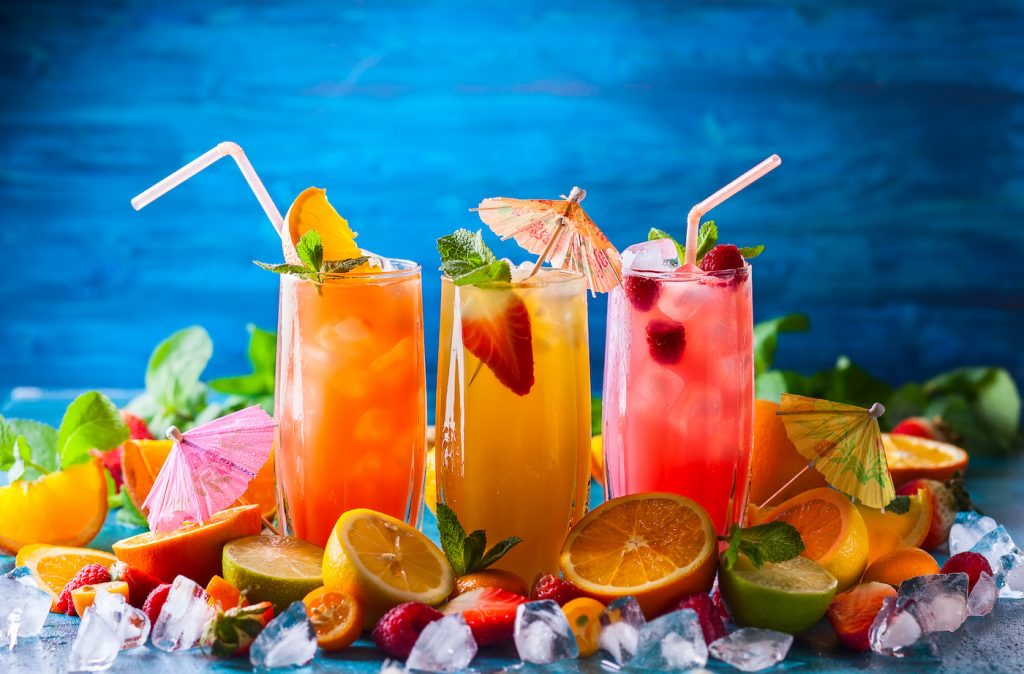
[231, 632]
[853, 611]
[490, 613]
[948, 498]
[561, 591]
[155, 601]
[137, 428]
[396, 632]
[111, 460]
[666, 341]
[971, 563]
[721, 257]
[710, 619]
[641, 292]
[91, 574]
[140, 583]
[496, 329]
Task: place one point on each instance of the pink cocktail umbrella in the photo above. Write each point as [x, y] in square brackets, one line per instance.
[209, 467]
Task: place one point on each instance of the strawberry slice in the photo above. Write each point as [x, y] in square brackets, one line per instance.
[853, 611]
[490, 613]
[496, 329]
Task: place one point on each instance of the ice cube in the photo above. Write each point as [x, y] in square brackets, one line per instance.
[391, 667]
[657, 255]
[109, 626]
[183, 616]
[620, 629]
[895, 630]
[23, 575]
[983, 597]
[751, 649]
[673, 641]
[939, 600]
[542, 633]
[1006, 560]
[23, 607]
[445, 645]
[681, 300]
[287, 641]
[968, 528]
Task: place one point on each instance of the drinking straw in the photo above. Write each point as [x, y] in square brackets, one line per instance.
[701, 209]
[225, 149]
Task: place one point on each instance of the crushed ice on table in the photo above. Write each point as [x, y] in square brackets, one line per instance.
[390, 666]
[542, 633]
[895, 630]
[109, 626]
[287, 641]
[445, 645]
[968, 528]
[183, 616]
[23, 606]
[1006, 560]
[673, 641]
[657, 255]
[751, 649]
[620, 629]
[983, 597]
[939, 600]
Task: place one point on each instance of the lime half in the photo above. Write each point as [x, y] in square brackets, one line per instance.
[786, 597]
[277, 569]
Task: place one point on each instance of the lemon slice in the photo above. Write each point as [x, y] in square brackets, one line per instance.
[277, 569]
[787, 597]
[383, 562]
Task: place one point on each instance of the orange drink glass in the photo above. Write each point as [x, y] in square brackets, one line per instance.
[350, 398]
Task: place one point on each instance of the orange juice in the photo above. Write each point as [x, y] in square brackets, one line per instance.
[517, 464]
[350, 399]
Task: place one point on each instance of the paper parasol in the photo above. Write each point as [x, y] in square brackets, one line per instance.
[209, 467]
[843, 443]
[560, 232]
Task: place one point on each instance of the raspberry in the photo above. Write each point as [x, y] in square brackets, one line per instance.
[971, 563]
[90, 574]
[552, 587]
[710, 619]
[155, 602]
[641, 292]
[721, 257]
[396, 632]
[666, 341]
[137, 428]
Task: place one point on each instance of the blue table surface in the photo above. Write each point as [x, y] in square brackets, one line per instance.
[990, 643]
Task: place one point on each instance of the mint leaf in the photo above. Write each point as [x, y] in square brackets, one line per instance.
[766, 338]
[473, 550]
[42, 440]
[498, 551]
[656, 234]
[750, 252]
[295, 269]
[899, 505]
[707, 238]
[342, 266]
[467, 260]
[495, 272]
[258, 386]
[91, 421]
[452, 537]
[172, 377]
[772, 542]
[310, 249]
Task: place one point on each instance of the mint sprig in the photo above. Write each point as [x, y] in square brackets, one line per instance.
[468, 261]
[771, 542]
[707, 238]
[466, 552]
[310, 250]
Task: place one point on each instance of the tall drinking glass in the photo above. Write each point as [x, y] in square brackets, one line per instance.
[510, 464]
[350, 399]
[679, 387]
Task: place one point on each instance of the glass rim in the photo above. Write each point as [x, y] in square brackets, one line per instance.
[567, 276]
[682, 277]
[406, 269]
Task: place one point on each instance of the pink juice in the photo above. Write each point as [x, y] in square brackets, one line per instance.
[679, 388]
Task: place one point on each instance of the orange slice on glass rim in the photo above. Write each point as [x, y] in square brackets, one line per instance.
[311, 210]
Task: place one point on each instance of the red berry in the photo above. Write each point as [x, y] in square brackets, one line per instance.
[710, 619]
[396, 632]
[90, 574]
[721, 257]
[552, 587]
[852, 612]
[716, 599]
[155, 601]
[642, 292]
[666, 341]
[919, 427]
[140, 583]
[137, 428]
[489, 611]
[971, 563]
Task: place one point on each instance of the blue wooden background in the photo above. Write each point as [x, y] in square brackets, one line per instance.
[896, 221]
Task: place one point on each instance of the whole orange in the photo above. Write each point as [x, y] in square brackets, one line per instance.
[775, 460]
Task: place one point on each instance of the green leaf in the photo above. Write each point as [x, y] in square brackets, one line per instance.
[998, 403]
[91, 421]
[908, 400]
[243, 385]
[473, 551]
[468, 261]
[452, 536]
[772, 542]
[707, 238]
[494, 272]
[850, 384]
[766, 337]
[8, 443]
[595, 416]
[342, 266]
[39, 446]
[750, 252]
[295, 269]
[129, 515]
[899, 505]
[656, 234]
[172, 377]
[498, 551]
[262, 351]
[310, 249]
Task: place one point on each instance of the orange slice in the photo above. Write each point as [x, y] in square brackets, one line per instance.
[311, 210]
[84, 597]
[52, 566]
[890, 530]
[336, 617]
[192, 550]
[910, 457]
[66, 507]
[656, 547]
[832, 529]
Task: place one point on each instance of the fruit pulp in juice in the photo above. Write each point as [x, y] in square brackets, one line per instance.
[517, 465]
[350, 399]
[678, 388]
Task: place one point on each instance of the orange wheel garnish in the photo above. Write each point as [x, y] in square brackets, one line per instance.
[336, 617]
[52, 566]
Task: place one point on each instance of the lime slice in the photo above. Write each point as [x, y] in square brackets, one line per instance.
[786, 597]
[277, 569]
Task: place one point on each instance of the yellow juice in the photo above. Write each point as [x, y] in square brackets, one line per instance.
[510, 464]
